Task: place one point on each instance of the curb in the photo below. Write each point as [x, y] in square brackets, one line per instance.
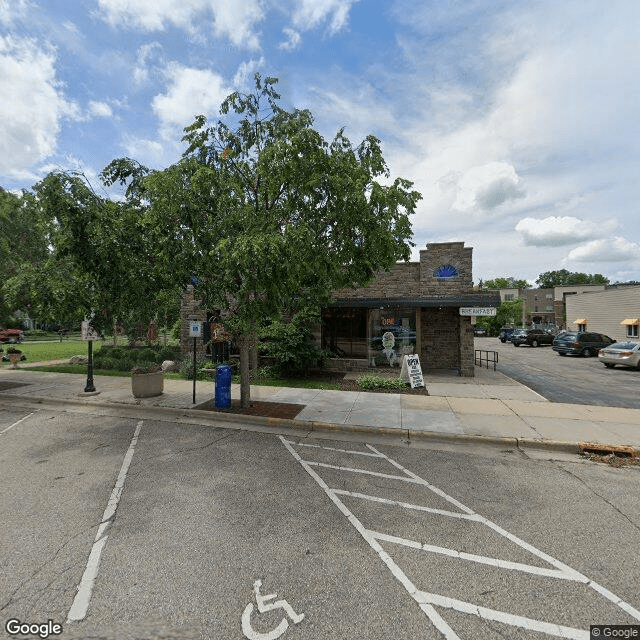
[199, 416]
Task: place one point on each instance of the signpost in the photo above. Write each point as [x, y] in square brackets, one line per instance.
[195, 331]
[412, 371]
[89, 334]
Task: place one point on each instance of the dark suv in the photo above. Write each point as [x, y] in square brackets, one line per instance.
[580, 343]
[505, 334]
[532, 337]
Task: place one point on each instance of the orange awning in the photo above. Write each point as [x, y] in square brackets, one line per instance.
[580, 321]
[630, 321]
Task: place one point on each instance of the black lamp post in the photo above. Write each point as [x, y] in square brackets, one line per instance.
[90, 386]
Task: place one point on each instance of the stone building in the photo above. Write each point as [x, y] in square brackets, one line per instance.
[413, 308]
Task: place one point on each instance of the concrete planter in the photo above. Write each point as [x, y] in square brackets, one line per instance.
[147, 385]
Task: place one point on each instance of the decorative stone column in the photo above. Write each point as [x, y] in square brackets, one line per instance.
[190, 310]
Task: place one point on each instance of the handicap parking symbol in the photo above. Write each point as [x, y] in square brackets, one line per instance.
[263, 606]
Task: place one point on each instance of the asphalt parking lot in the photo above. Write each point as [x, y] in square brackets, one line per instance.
[570, 379]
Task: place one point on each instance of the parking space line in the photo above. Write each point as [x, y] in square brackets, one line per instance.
[81, 601]
[17, 422]
[317, 446]
[429, 601]
[407, 505]
[503, 617]
[463, 555]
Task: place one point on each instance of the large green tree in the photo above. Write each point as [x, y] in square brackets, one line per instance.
[268, 215]
[550, 279]
[508, 282]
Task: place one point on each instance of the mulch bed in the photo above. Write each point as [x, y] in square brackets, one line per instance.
[258, 408]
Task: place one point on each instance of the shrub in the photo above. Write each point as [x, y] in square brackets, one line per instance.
[291, 345]
[106, 363]
[372, 381]
[168, 353]
[176, 329]
[147, 355]
[186, 369]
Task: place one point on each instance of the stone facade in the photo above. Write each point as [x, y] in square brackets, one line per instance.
[437, 286]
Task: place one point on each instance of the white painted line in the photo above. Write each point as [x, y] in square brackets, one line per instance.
[364, 471]
[433, 615]
[407, 505]
[17, 422]
[435, 490]
[81, 602]
[462, 555]
[317, 446]
[501, 616]
[427, 600]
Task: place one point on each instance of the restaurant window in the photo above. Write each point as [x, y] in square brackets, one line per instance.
[392, 335]
[344, 331]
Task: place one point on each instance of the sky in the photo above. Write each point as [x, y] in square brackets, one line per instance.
[516, 120]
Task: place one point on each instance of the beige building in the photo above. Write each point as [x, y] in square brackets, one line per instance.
[614, 311]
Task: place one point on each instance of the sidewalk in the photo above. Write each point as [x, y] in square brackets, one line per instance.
[489, 408]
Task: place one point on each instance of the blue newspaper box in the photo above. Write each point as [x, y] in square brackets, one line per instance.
[223, 386]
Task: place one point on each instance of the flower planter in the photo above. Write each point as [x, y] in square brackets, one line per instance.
[147, 385]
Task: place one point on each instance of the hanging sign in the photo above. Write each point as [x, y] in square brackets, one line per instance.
[87, 332]
[478, 311]
[412, 371]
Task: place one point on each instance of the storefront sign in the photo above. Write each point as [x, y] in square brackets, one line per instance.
[411, 371]
[478, 311]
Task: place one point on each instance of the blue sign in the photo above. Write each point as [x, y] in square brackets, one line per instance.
[445, 272]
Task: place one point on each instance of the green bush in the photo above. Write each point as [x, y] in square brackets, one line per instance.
[168, 353]
[186, 369]
[176, 329]
[148, 355]
[106, 363]
[291, 346]
[370, 381]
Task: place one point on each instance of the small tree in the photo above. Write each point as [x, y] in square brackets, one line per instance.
[269, 216]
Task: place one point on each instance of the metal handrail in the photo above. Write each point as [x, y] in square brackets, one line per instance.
[479, 359]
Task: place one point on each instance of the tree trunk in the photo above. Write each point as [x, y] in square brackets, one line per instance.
[245, 386]
[253, 356]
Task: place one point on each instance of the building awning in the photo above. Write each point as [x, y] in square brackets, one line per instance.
[460, 300]
[580, 321]
[630, 321]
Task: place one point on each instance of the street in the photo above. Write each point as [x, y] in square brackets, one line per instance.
[119, 527]
[569, 379]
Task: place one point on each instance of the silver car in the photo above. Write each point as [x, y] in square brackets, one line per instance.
[626, 354]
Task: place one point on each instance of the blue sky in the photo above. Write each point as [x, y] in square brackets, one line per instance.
[517, 121]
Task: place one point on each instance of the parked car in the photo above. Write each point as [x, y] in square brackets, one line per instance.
[479, 332]
[505, 334]
[626, 354]
[11, 335]
[532, 337]
[581, 343]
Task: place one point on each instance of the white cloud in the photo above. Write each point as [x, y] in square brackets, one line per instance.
[146, 53]
[614, 249]
[236, 21]
[487, 187]
[191, 92]
[100, 109]
[310, 13]
[12, 10]
[293, 39]
[246, 71]
[233, 20]
[32, 107]
[555, 231]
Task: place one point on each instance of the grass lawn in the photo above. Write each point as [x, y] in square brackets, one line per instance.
[42, 351]
[267, 382]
